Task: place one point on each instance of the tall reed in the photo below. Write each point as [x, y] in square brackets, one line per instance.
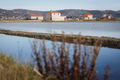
[67, 61]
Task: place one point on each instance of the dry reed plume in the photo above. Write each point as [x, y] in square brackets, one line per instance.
[67, 61]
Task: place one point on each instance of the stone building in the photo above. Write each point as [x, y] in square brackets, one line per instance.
[54, 16]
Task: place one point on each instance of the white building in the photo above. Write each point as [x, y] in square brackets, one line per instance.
[88, 16]
[54, 16]
[35, 17]
[110, 17]
[107, 16]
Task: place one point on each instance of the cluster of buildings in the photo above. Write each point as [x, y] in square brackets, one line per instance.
[50, 16]
[57, 16]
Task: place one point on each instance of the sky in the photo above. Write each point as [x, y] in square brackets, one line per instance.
[45, 5]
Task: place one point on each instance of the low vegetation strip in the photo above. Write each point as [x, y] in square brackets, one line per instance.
[11, 70]
[18, 21]
[86, 40]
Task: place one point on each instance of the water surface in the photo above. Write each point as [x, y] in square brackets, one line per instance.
[109, 29]
[20, 49]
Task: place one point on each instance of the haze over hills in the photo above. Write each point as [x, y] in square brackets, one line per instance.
[74, 13]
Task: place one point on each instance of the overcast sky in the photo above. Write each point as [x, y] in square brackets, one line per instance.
[45, 5]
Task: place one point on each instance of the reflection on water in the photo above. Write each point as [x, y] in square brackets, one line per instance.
[110, 29]
[20, 48]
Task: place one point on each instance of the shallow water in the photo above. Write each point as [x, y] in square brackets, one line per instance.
[20, 47]
[109, 29]
[21, 50]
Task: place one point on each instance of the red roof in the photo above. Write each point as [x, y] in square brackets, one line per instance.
[84, 16]
[88, 14]
[54, 12]
[62, 15]
[35, 15]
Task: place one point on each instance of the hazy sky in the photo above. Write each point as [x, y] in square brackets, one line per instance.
[60, 4]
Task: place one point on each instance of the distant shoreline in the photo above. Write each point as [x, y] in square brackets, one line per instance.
[11, 21]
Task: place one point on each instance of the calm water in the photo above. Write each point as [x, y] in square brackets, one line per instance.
[110, 29]
[20, 47]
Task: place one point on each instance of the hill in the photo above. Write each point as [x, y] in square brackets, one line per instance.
[74, 13]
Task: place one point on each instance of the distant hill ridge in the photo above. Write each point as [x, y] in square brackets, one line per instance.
[74, 13]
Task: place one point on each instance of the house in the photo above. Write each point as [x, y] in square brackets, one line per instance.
[55, 16]
[88, 16]
[107, 16]
[35, 17]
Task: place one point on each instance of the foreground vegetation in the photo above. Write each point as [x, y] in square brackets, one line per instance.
[61, 62]
[67, 61]
[11, 70]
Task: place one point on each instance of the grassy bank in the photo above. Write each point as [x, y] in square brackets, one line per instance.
[86, 40]
[11, 70]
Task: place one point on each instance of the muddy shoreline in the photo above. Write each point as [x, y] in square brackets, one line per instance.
[22, 21]
[86, 40]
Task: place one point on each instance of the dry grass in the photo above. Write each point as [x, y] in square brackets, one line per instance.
[67, 61]
[10, 70]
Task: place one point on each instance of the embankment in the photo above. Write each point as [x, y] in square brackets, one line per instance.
[27, 21]
[86, 40]
[12, 70]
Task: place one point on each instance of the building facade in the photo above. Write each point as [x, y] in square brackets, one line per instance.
[88, 16]
[35, 17]
[107, 16]
[54, 16]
